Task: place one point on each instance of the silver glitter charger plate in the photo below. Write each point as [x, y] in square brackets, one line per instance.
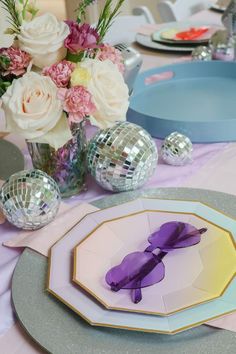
[59, 331]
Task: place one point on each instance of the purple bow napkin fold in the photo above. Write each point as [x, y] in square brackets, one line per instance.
[141, 269]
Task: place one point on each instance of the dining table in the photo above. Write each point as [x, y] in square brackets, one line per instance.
[212, 168]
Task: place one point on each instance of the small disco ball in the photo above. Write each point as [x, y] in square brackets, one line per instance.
[222, 46]
[201, 53]
[30, 199]
[122, 158]
[177, 149]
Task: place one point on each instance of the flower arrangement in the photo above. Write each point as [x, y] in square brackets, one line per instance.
[57, 74]
[55, 78]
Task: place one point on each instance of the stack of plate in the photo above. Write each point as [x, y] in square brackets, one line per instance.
[199, 284]
[168, 38]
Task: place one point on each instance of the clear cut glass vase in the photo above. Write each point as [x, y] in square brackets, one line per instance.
[67, 165]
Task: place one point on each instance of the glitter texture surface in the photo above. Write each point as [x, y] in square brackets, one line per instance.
[30, 199]
[177, 149]
[122, 158]
[201, 53]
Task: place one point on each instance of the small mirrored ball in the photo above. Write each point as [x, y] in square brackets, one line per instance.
[177, 149]
[30, 199]
[202, 53]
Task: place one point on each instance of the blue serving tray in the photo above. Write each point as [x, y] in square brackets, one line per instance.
[199, 101]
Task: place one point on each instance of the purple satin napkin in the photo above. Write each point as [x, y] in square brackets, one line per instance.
[141, 269]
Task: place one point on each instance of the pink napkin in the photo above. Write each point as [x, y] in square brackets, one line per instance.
[16, 341]
[43, 239]
[227, 322]
[148, 29]
[219, 173]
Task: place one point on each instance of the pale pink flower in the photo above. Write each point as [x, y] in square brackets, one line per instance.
[60, 73]
[77, 102]
[114, 55]
[19, 61]
[82, 37]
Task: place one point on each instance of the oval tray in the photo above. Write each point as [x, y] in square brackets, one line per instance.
[198, 101]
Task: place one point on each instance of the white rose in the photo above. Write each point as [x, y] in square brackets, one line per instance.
[33, 110]
[43, 38]
[109, 92]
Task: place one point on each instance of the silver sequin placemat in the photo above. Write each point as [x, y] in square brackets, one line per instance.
[60, 331]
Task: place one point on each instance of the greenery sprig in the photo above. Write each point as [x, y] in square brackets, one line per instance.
[13, 14]
[82, 8]
[17, 12]
[28, 8]
[107, 17]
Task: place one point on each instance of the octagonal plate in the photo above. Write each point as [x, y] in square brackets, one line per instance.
[61, 265]
[192, 275]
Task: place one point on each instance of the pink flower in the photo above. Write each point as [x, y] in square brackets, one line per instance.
[60, 73]
[114, 55]
[77, 102]
[19, 61]
[81, 37]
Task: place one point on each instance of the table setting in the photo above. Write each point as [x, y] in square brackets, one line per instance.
[117, 186]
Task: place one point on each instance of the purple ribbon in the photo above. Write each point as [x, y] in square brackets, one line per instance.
[141, 269]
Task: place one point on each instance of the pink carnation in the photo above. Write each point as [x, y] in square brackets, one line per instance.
[81, 37]
[114, 55]
[77, 102]
[60, 73]
[19, 61]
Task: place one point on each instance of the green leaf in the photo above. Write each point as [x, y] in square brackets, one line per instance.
[9, 31]
[4, 84]
[82, 8]
[75, 58]
[107, 17]
[4, 62]
[13, 15]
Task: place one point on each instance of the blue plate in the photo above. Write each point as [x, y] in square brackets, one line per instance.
[198, 101]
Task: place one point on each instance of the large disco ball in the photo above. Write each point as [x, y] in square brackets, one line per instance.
[122, 158]
[30, 199]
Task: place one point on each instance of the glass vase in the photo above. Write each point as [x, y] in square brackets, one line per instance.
[65, 165]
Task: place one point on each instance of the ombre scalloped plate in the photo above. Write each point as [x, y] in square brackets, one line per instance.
[61, 266]
[193, 275]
